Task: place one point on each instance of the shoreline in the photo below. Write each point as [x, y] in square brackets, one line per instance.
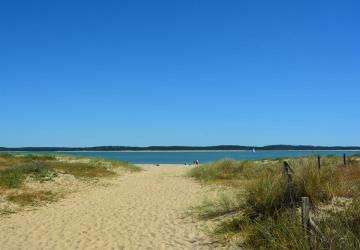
[186, 151]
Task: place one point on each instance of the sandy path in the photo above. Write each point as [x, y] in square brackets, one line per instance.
[139, 211]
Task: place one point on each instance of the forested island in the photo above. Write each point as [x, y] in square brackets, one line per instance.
[182, 148]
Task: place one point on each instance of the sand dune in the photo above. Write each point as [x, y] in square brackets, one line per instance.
[137, 211]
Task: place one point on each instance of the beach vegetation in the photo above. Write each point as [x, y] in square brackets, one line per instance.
[33, 198]
[261, 211]
[16, 170]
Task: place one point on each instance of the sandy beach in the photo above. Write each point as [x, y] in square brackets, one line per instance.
[142, 210]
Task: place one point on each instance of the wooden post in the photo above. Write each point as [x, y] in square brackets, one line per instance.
[344, 157]
[287, 174]
[305, 215]
[319, 161]
[286, 171]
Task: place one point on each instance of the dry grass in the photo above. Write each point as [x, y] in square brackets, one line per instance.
[33, 198]
[16, 170]
[349, 177]
[226, 171]
[264, 215]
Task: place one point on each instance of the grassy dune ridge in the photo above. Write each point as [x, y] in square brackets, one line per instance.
[18, 172]
[257, 211]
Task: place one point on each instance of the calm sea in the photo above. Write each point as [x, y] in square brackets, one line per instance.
[201, 156]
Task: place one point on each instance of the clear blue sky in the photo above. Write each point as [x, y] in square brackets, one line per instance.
[187, 72]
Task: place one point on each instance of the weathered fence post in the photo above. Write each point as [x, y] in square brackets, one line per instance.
[319, 161]
[344, 157]
[305, 216]
[286, 171]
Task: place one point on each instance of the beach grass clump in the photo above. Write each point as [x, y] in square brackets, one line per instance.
[33, 198]
[319, 185]
[229, 229]
[282, 232]
[14, 177]
[349, 177]
[37, 157]
[267, 195]
[82, 170]
[226, 169]
[6, 155]
[225, 203]
[11, 178]
[14, 160]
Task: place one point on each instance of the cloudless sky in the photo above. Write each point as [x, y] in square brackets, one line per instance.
[186, 72]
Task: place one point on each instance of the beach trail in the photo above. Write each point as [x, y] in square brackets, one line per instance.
[142, 210]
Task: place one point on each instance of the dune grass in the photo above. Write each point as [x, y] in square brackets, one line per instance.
[103, 162]
[13, 177]
[224, 204]
[262, 208]
[82, 170]
[33, 198]
[16, 169]
[341, 229]
[224, 169]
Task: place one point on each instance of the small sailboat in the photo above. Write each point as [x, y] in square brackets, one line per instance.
[253, 150]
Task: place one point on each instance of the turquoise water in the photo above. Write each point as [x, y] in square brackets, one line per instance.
[202, 156]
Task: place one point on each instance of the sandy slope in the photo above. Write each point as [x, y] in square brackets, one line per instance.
[138, 211]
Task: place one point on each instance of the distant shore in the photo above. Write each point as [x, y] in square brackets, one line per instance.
[181, 151]
[183, 148]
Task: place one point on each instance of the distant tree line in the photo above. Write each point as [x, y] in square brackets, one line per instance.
[181, 148]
